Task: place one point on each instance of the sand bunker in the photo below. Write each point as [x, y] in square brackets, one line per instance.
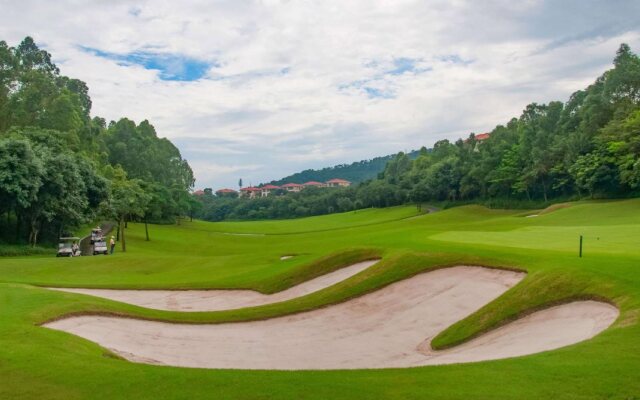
[216, 300]
[391, 327]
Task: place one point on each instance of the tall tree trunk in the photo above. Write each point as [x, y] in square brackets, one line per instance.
[33, 237]
[118, 231]
[122, 239]
[146, 228]
[18, 222]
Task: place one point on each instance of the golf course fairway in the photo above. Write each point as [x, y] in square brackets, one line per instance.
[500, 281]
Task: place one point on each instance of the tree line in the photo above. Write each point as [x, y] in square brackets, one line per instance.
[60, 167]
[586, 147]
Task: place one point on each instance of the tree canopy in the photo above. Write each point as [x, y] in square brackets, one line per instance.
[61, 167]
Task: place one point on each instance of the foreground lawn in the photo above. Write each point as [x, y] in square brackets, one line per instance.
[39, 363]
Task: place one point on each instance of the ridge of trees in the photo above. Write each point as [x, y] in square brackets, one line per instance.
[587, 147]
[60, 167]
[356, 172]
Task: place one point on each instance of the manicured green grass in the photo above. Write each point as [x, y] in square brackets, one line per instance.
[39, 363]
[371, 216]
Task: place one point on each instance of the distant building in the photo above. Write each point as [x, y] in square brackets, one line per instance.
[480, 137]
[338, 183]
[292, 187]
[226, 192]
[250, 192]
[199, 192]
[266, 190]
[314, 184]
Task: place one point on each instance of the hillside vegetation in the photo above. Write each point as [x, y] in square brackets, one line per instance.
[356, 172]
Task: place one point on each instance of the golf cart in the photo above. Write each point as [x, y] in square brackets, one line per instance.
[68, 247]
[100, 246]
[96, 234]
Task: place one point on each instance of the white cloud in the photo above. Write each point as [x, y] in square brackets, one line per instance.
[296, 82]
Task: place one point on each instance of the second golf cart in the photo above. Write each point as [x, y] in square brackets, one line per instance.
[100, 246]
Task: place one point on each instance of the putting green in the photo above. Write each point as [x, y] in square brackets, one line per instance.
[36, 362]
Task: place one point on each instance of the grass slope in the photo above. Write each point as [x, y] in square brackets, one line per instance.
[350, 219]
[41, 363]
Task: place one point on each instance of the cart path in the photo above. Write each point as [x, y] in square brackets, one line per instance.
[217, 300]
[391, 327]
[86, 248]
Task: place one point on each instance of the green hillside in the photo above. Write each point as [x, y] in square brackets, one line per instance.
[356, 172]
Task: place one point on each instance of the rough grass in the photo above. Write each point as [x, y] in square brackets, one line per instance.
[39, 363]
[17, 250]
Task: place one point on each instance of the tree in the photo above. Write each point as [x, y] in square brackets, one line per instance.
[127, 200]
[20, 174]
[61, 196]
[594, 171]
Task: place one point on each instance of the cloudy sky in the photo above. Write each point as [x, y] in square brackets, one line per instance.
[260, 89]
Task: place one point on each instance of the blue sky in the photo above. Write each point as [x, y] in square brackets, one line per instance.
[261, 89]
[170, 67]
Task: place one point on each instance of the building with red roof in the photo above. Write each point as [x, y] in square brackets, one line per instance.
[338, 183]
[226, 192]
[250, 191]
[266, 190]
[479, 138]
[199, 192]
[314, 184]
[292, 187]
[269, 189]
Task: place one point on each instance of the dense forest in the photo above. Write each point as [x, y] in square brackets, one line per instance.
[355, 172]
[61, 168]
[587, 147]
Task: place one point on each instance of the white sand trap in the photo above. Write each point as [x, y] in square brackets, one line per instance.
[285, 258]
[388, 328]
[216, 300]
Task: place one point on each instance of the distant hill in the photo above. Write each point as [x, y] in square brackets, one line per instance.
[356, 172]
